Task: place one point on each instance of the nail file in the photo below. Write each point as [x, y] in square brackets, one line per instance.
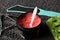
[42, 12]
[33, 15]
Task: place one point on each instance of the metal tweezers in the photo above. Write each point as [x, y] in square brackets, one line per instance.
[6, 15]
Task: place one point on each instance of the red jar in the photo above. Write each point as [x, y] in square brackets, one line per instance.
[24, 20]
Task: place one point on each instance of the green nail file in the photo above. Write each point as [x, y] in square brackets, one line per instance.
[24, 9]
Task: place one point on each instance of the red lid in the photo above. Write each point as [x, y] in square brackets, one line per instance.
[25, 21]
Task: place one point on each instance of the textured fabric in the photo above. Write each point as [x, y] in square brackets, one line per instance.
[53, 5]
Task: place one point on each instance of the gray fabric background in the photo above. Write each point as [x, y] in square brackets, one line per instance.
[53, 5]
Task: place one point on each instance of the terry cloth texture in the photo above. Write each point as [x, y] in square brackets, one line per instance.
[12, 34]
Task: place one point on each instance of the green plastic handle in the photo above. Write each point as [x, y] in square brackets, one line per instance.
[48, 13]
[42, 12]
